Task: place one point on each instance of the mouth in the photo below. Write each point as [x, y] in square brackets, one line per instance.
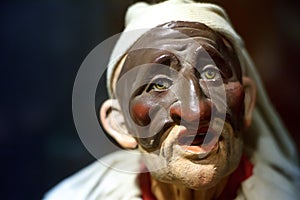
[201, 141]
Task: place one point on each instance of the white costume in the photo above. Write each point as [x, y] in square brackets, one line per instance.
[275, 175]
[97, 182]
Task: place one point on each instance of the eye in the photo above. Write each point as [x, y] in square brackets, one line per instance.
[160, 84]
[210, 73]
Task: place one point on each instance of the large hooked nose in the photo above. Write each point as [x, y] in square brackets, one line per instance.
[193, 107]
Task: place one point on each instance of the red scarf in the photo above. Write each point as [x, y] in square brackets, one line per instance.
[243, 172]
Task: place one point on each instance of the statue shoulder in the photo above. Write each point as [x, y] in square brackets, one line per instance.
[111, 177]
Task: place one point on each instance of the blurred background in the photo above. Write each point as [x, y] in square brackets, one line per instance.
[42, 45]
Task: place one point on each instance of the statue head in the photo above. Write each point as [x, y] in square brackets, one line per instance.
[181, 98]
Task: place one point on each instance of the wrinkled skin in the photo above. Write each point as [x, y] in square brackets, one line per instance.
[185, 105]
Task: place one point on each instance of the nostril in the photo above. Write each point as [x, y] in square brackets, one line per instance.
[189, 116]
[186, 114]
[176, 119]
[175, 113]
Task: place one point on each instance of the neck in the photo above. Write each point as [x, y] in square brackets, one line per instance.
[164, 191]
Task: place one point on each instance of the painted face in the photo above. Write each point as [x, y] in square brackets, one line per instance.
[182, 98]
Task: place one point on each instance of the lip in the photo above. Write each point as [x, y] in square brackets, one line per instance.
[201, 142]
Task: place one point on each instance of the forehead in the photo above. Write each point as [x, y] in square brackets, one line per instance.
[185, 40]
[181, 32]
[177, 37]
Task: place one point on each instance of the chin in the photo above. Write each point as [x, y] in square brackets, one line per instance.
[176, 164]
[196, 175]
[199, 176]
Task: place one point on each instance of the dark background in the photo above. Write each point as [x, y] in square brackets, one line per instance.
[42, 45]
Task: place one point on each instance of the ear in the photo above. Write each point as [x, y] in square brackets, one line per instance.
[250, 98]
[113, 122]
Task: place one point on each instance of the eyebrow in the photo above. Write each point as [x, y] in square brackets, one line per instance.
[216, 56]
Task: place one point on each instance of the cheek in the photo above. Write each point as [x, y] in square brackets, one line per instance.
[146, 127]
[235, 96]
[148, 108]
[235, 101]
[139, 112]
[140, 109]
